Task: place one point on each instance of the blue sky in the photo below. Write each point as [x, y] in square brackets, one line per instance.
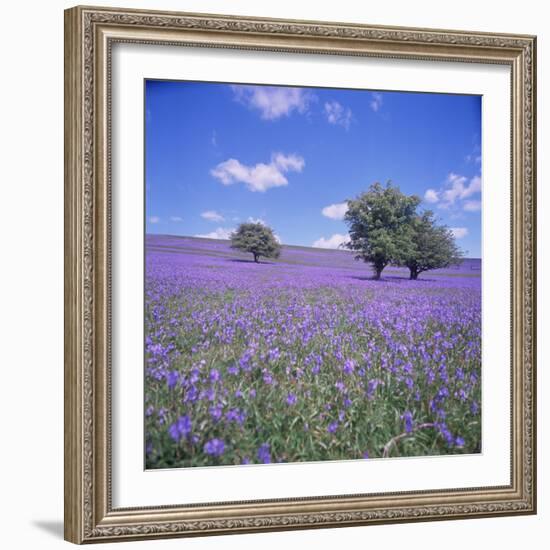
[221, 154]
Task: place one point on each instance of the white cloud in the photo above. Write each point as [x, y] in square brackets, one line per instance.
[454, 188]
[224, 233]
[472, 206]
[335, 211]
[154, 219]
[287, 163]
[376, 101]
[273, 102]
[338, 114]
[212, 216]
[459, 232]
[474, 187]
[176, 219]
[454, 191]
[332, 242]
[219, 233]
[431, 195]
[475, 155]
[259, 177]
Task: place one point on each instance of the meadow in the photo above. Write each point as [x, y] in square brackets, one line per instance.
[305, 358]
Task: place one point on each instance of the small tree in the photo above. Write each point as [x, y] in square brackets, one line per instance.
[433, 247]
[256, 238]
[379, 225]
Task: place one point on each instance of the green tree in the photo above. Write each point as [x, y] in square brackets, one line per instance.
[380, 225]
[433, 246]
[256, 238]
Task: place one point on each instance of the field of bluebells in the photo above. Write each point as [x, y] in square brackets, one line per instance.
[305, 358]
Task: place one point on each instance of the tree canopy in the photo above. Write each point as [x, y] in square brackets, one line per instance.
[379, 225]
[385, 227]
[433, 246]
[257, 239]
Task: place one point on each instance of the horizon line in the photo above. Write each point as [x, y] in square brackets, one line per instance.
[283, 245]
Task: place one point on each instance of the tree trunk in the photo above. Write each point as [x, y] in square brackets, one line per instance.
[377, 272]
[256, 258]
[414, 274]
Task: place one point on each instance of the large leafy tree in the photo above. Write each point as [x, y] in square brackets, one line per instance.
[256, 238]
[379, 222]
[433, 246]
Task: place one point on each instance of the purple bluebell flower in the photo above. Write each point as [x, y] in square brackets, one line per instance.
[443, 393]
[264, 454]
[236, 415]
[216, 412]
[445, 432]
[407, 418]
[215, 375]
[371, 387]
[162, 416]
[214, 447]
[180, 428]
[349, 367]
[291, 399]
[195, 375]
[172, 379]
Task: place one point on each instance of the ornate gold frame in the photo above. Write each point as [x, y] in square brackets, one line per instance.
[89, 35]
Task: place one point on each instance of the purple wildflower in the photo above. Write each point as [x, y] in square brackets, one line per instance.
[172, 379]
[215, 375]
[264, 454]
[349, 366]
[216, 412]
[180, 428]
[214, 447]
[407, 418]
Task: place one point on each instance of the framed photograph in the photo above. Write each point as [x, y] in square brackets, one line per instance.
[300, 274]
